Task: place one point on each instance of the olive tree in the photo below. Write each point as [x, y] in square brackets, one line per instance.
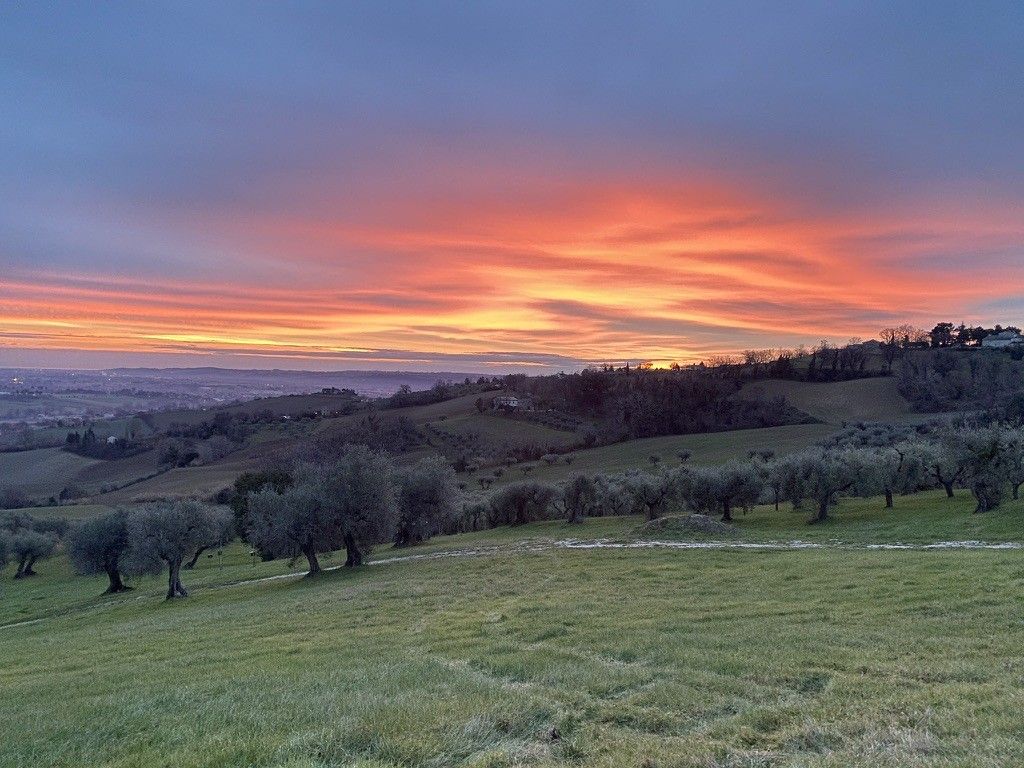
[1015, 460]
[899, 468]
[428, 500]
[576, 498]
[294, 522]
[986, 457]
[614, 498]
[100, 545]
[166, 534]
[522, 502]
[653, 491]
[29, 540]
[351, 503]
[824, 475]
[945, 461]
[722, 489]
[361, 492]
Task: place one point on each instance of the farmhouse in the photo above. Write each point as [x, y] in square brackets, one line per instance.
[511, 403]
[1002, 339]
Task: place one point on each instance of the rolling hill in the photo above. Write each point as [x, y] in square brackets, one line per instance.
[872, 399]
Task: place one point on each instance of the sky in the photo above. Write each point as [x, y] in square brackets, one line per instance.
[501, 186]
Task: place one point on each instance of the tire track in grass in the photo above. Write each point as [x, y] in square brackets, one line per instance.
[598, 544]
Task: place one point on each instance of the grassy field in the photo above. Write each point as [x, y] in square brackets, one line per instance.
[712, 448]
[875, 399]
[526, 655]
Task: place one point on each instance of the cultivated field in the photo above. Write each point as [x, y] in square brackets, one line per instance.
[874, 399]
[523, 653]
[42, 472]
[711, 448]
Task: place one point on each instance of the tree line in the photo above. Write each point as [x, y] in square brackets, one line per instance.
[360, 499]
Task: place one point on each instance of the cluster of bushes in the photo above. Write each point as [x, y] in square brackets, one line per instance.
[393, 434]
[235, 426]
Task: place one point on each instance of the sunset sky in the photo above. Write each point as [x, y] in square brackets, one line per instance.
[489, 187]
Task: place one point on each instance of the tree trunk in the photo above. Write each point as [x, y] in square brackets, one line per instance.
[355, 555]
[314, 561]
[888, 498]
[949, 489]
[116, 585]
[726, 512]
[174, 586]
[195, 559]
[822, 515]
[1016, 491]
[29, 570]
[20, 573]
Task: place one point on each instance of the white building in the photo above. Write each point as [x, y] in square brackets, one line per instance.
[1002, 340]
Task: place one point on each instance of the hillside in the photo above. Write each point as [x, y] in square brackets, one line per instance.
[871, 399]
[713, 448]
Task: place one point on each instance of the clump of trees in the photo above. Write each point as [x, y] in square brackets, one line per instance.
[352, 502]
[166, 535]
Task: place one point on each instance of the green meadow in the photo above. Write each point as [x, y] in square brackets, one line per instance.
[500, 649]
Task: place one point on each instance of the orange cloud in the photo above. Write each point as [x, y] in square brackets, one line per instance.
[588, 272]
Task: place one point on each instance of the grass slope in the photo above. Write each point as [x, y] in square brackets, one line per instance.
[547, 658]
[42, 472]
[711, 448]
[875, 399]
[275, 443]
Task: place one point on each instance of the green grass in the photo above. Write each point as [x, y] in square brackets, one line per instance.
[711, 448]
[650, 657]
[42, 472]
[924, 518]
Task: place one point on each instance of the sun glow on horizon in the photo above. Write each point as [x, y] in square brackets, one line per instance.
[666, 274]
